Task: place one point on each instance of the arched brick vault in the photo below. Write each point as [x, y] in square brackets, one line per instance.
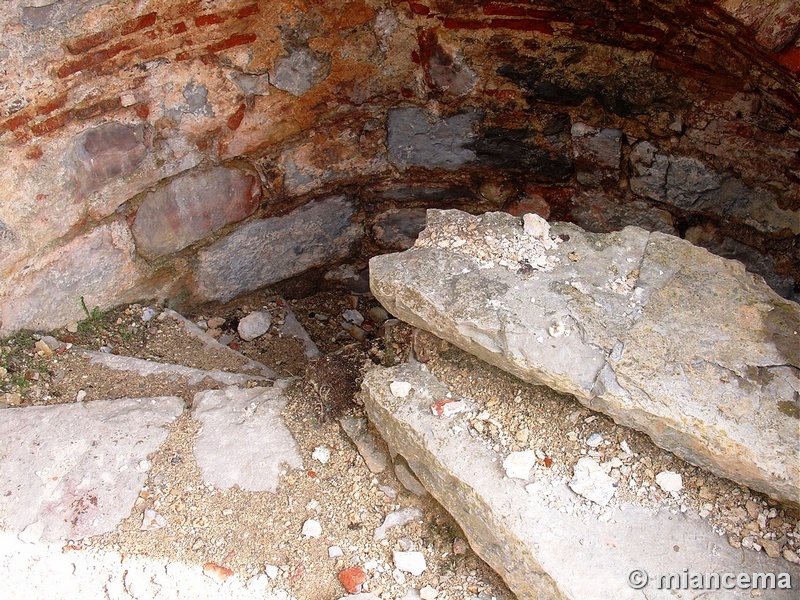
[198, 149]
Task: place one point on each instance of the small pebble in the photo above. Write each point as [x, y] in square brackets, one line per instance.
[518, 465]
[312, 529]
[321, 454]
[147, 315]
[271, 571]
[354, 317]
[400, 389]
[410, 562]
[216, 322]
[428, 593]
[594, 440]
[254, 325]
[335, 552]
[669, 481]
[378, 314]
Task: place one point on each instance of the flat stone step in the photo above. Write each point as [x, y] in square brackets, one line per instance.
[244, 440]
[661, 335]
[145, 368]
[540, 551]
[70, 471]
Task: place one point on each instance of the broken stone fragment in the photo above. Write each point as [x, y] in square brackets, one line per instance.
[518, 465]
[669, 481]
[356, 429]
[311, 529]
[410, 562]
[590, 481]
[400, 389]
[396, 518]
[448, 407]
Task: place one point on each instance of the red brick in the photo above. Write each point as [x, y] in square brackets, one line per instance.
[178, 28]
[247, 11]
[457, 23]
[51, 124]
[54, 104]
[81, 45]
[138, 23]
[790, 58]
[95, 109]
[352, 579]
[646, 30]
[236, 118]
[205, 20]
[142, 110]
[501, 9]
[523, 25]
[15, 122]
[237, 39]
[419, 9]
[90, 60]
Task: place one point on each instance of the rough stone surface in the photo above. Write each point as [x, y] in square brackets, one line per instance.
[104, 153]
[416, 138]
[98, 266]
[146, 368]
[269, 250]
[74, 470]
[598, 153]
[193, 206]
[536, 548]
[301, 70]
[655, 332]
[364, 441]
[649, 177]
[687, 180]
[396, 229]
[244, 441]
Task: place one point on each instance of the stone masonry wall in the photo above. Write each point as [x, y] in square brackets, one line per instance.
[197, 150]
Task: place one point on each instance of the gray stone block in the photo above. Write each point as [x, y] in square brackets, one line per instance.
[417, 138]
[266, 251]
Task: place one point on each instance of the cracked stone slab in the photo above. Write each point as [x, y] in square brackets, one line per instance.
[243, 440]
[144, 368]
[74, 470]
[661, 335]
[520, 532]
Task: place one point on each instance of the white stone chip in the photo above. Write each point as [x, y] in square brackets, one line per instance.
[518, 465]
[254, 325]
[151, 520]
[669, 481]
[271, 571]
[321, 454]
[400, 389]
[428, 593]
[590, 481]
[535, 226]
[312, 529]
[410, 562]
[335, 552]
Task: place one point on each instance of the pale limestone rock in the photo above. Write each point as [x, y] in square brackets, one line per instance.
[663, 336]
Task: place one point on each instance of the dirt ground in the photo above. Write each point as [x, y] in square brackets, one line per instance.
[255, 533]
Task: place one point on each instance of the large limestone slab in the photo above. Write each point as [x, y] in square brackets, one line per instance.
[538, 549]
[244, 440]
[74, 470]
[663, 336]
